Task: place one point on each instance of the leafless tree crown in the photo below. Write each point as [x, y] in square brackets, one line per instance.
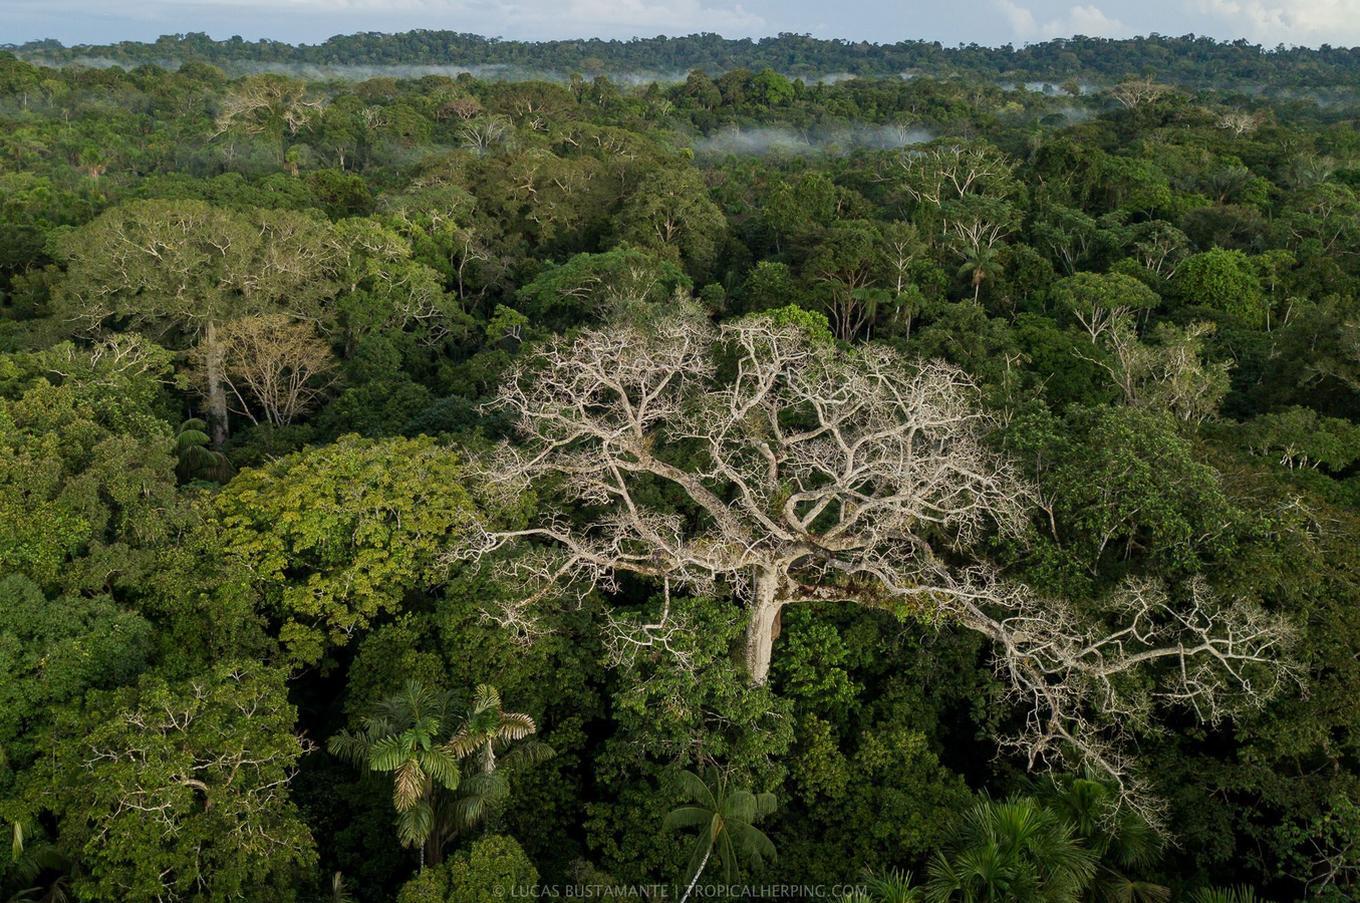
[822, 474]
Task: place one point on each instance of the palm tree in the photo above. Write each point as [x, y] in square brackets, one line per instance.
[402, 736]
[340, 892]
[726, 820]
[1121, 840]
[41, 870]
[488, 728]
[980, 263]
[197, 459]
[484, 740]
[1016, 851]
[1242, 894]
[894, 886]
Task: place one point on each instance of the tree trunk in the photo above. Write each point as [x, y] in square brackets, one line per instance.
[762, 627]
[695, 880]
[432, 850]
[215, 365]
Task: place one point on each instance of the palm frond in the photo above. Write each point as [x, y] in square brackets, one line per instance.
[752, 843]
[894, 886]
[697, 854]
[696, 790]
[515, 726]
[766, 804]
[686, 817]
[471, 809]
[463, 744]
[441, 766]
[486, 697]
[740, 805]
[410, 786]
[339, 891]
[415, 824]
[352, 748]
[531, 752]
[490, 784]
[1239, 894]
[388, 753]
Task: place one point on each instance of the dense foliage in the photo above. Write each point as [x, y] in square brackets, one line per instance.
[271, 349]
[1189, 60]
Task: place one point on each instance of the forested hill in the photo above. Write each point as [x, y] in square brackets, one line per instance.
[1189, 60]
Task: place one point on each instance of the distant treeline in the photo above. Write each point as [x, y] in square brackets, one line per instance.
[1189, 60]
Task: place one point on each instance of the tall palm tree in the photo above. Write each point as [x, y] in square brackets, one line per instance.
[488, 739]
[1016, 851]
[980, 263]
[488, 729]
[726, 820]
[403, 736]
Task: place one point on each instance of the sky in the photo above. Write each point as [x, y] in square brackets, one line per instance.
[1270, 22]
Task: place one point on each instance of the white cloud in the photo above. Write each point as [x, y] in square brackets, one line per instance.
[1085, 19]
[638, 15]
[1021, 19]
[590, 16]
[1290, 21]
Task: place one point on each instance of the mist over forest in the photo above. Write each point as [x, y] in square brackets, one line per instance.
[435, 469]
[1196, 62]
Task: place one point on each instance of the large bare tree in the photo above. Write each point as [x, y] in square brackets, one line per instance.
[274, 367]
[817, 473]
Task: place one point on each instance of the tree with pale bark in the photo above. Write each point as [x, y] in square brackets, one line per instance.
[178, 790]
[811, 473]
[935, 174]
[269, 106]
[1100, 301]
[184, 268]
[275, 369]
[1138, 92]
[1168, 374]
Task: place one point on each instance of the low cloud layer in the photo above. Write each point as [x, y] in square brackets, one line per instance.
[761, 141]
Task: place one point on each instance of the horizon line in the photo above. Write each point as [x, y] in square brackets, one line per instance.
[497, 39]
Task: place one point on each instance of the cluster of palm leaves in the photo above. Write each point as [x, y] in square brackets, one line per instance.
[725, 817]
[197, 459]
[1068, 842]
[1014, 850]
[894, 886]
[449, 769]
[1225, 895]
[39, 868]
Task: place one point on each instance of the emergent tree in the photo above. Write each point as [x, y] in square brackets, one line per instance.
[809, 472]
